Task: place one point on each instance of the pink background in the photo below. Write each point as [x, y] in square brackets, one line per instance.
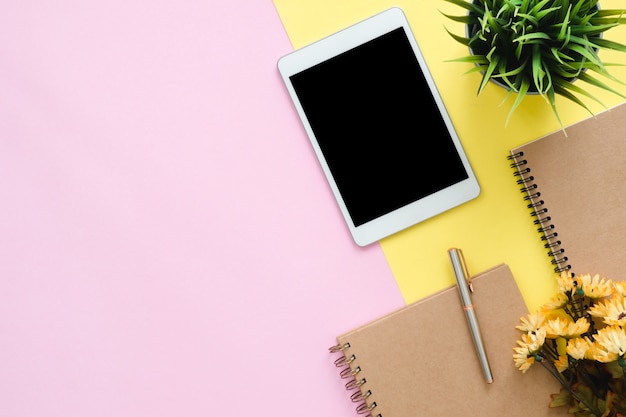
[168, 245]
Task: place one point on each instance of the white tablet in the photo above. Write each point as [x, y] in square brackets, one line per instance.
[378, 126]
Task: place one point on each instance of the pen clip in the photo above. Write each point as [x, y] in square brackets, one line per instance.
[465, 271]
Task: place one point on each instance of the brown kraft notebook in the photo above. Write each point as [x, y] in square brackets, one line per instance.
[421, 361]
[576, 188]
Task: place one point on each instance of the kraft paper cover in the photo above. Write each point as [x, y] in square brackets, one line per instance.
[581, 181]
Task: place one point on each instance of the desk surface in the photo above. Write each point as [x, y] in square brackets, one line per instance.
[168, 245]
[496, 227]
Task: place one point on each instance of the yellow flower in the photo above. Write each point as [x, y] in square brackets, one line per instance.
[605, 357]
[532, 322]
[562, 363]
[612, 339]
[608, 345]
[619, 288]
[530, 344]
[601, 354]
[565, 327]
[565, 281]
[612, 311]
[555, 303]
[533, 341]
[577, 348]
[595, 287]
[599, 310]
[522, 358]
[594, 351]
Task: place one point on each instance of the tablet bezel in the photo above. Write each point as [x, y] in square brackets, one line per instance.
[419, 210]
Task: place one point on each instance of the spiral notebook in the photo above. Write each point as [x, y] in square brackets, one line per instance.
[576, 187]
[420, 360]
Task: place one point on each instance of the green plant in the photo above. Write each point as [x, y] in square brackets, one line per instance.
[539, 46]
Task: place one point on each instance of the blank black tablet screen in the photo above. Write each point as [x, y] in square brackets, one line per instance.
[378, 127]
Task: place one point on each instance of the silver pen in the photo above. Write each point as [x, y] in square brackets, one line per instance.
[464, 285]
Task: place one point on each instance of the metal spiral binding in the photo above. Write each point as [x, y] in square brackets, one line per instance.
[541, 219]
[351, 372]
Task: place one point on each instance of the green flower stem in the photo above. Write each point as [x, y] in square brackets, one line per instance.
[551, 350]
[565, 385]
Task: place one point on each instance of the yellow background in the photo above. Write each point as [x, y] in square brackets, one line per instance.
[495, 227]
